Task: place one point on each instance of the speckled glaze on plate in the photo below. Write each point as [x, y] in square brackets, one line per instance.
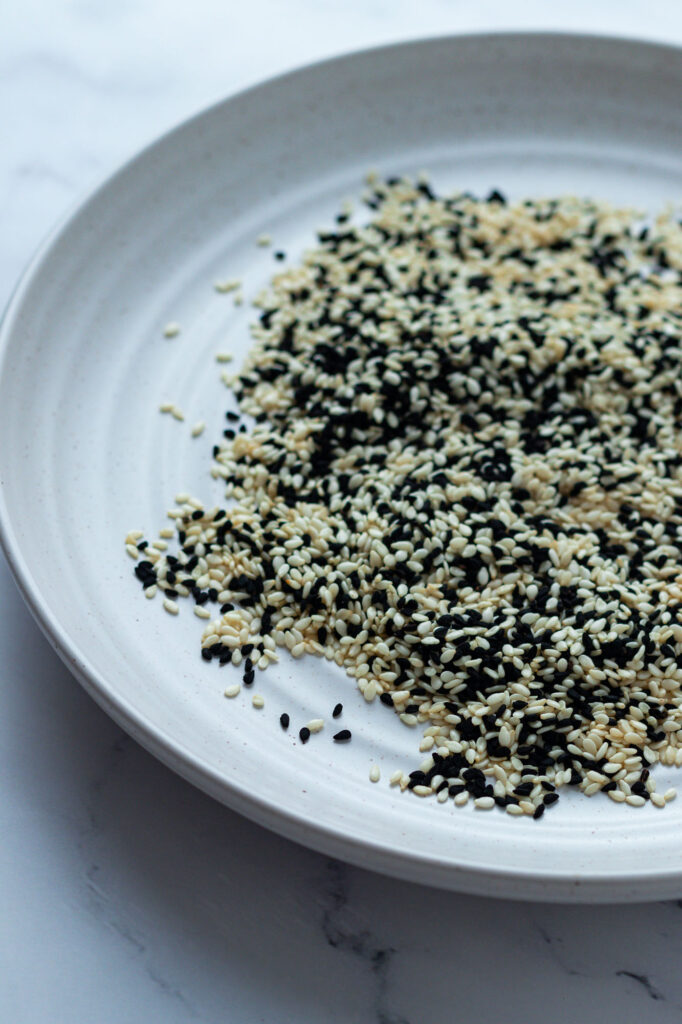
[85, 455]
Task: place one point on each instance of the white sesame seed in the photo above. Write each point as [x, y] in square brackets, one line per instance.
[171, 330]
[198, 428]
[316, 724]
[374, 773]
[233, 691]
[229, 285]
[258, 701]
[264, 240]
[171, 606]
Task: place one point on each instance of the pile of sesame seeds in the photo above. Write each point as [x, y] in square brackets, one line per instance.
[460, 480]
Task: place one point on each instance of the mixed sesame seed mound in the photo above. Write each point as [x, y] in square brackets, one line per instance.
[461, 481]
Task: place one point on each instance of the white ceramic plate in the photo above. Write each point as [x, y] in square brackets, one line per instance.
[85, 455]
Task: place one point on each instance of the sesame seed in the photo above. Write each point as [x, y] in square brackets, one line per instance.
[230, 285]
[264, 240]
[343, 736]
[233, 690]
[171, 606]
[455, 474]
[257, 701]
[284, 720]
[374, 773]
[198, 428]
[171, 330]
[315, 725]
[304, 734]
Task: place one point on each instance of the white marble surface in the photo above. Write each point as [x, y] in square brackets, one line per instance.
[126, 895]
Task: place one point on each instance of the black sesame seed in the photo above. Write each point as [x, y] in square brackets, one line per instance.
[343, 736]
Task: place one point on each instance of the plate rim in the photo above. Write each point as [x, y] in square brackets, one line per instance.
[483, 879]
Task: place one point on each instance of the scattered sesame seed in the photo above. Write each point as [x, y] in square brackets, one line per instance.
[284, 720]
[264, 240]
[258, 701]
[304, 734]
[315, 725]
[343, 736]
[338, 708]
[230, 285]
[233, 690]
[171, 330]
[374, 773]
[171, 606]
[224, 357]
[198, 428]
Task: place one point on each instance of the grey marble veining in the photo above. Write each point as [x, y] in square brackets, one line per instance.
[128, 896]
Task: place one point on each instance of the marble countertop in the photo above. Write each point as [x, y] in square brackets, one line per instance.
[127, 895]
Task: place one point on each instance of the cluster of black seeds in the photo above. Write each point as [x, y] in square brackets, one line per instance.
[464, 486]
